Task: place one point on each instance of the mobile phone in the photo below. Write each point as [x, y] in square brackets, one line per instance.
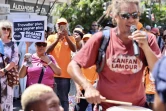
[62, 27]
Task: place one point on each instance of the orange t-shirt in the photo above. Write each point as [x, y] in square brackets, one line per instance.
[149, 82]
[90, 74]
[61, 53]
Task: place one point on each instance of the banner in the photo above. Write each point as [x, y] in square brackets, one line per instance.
[28, 30]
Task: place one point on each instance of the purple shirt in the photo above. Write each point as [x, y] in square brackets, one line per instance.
[33, 73]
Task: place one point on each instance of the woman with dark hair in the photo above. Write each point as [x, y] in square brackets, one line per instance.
[42, 64]
[78, 35]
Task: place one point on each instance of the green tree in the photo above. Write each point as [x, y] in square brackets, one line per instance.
[82, 12]
[159, 11]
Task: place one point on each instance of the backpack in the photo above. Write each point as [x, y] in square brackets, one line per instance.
[100, 62]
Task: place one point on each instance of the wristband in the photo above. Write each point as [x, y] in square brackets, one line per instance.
[49, 62]
[4, 70]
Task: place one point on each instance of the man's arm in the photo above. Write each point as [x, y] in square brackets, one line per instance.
[91, 94]
[150, 57]
[51, 47]
[71, 45]
[148, 49]
[75, 71]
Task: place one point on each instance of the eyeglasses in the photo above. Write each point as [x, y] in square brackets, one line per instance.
[4, 28]
[134, 15]
[39, 44]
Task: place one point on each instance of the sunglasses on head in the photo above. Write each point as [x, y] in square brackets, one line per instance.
[39, 44]
[134, 15]
[4, 28]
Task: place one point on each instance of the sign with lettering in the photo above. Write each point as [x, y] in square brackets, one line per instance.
[16, 6]
[28, 30]
[4, 9]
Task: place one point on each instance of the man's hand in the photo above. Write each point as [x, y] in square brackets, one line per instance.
[45, 59]
[77, 37]
[78, 94]
[60, 35]
[141, 38]
[93, 96]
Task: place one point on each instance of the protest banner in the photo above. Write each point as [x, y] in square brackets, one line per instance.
[28, 30]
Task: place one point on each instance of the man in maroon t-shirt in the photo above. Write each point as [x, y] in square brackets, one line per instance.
[121, 77]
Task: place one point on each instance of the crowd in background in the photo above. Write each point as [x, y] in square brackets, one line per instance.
[50, 60]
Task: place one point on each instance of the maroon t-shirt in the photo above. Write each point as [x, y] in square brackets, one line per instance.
[121, 78]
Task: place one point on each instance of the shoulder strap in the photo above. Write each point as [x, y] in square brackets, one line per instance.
[101, 53]
[41, 75]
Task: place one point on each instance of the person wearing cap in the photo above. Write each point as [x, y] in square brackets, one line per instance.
[42, 64]
[60, 46]
[159, 73]
[79, 26]
[160, 41]
[91, 76]
[121, 77]
[148, 28]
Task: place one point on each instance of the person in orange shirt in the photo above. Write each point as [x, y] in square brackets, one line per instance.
[60, 46]
[150, 89]
[91, 76]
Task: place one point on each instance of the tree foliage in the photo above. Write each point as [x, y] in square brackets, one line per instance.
[82, 12]
[159, 11]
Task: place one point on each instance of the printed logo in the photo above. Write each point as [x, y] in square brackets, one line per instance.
[17, 36]
[124, 64]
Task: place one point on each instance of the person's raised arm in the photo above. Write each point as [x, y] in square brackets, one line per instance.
[54, 66]
[71, 44]
[52, 45]
[151, 50]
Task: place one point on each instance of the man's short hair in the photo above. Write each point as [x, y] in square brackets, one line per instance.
[33, 94]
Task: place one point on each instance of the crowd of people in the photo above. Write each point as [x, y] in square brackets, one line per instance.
[125, 77]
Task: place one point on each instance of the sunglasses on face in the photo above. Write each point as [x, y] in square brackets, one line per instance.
[4, 28]
[39, 44]
[134, 15]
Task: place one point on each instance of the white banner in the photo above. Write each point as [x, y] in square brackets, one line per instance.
[28, 30]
